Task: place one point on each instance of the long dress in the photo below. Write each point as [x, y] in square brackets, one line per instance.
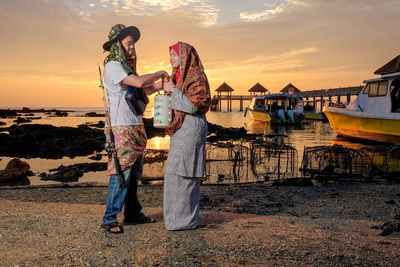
[185, 166]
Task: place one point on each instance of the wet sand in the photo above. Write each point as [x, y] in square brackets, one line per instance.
[334, 224]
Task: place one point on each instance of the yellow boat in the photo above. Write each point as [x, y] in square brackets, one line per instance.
[275, 108]
[374, 114]
[310, 110]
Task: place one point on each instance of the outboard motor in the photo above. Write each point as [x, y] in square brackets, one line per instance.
[290, 115]
[281, 115]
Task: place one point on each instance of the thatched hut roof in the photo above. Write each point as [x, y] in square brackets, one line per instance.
[390, 67]
[224, 88]
[258, 88]
[290, 87]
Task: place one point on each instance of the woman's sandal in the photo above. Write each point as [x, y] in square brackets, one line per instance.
[113, 228]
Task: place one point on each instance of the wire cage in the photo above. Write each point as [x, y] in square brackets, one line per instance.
[227, 161]
[273, 159]
[336, 162]
[255, 160]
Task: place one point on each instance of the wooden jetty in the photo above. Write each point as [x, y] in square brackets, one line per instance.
[325, 94]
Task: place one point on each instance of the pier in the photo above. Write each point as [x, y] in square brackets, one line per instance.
[324, 94]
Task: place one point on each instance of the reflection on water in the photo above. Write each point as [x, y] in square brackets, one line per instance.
[158, 143]
[309, 134]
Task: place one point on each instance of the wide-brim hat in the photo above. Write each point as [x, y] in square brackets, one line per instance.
[120, 30]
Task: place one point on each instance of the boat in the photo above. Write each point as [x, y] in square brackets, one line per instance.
[375, 113]
[275, 108]
[310, 110]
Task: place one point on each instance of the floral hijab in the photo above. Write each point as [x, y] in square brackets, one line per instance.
[117, 53]
[192, 81]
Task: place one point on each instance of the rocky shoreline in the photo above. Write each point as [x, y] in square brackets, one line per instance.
[338, 224]
[50, 142]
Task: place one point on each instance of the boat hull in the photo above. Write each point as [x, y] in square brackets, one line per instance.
[314, 116]
[363, 126]
[259, 116]
[266, 117]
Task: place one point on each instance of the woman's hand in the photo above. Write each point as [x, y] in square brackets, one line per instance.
[168, 85]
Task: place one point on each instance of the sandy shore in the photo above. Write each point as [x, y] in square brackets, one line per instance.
[322, 225]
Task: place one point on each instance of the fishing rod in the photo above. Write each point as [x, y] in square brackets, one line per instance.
[110, 145]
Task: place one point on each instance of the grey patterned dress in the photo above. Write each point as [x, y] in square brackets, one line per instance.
[185, 166]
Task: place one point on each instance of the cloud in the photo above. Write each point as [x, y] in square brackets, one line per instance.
[203, 9]
[282, 61]
[273, 9]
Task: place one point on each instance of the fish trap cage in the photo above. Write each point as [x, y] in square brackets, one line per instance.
[336, 162]
[227, 161]
[273, 159]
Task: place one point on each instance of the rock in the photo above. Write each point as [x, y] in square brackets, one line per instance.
[60, 114]
[47, 141]
[100, 124]
[84, 167]
[5, 113]
[33, 118]
[218, 133]
[65, 174]
[42, 174]
[293, 182]
[152, 155]
[93, 114]
[15, 173]
[96, 156]
[21, 120]
[72, 173]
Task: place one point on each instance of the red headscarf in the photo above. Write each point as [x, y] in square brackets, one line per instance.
[175, 47]
[191, 79]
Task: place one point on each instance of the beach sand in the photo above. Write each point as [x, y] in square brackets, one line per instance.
[250, 224]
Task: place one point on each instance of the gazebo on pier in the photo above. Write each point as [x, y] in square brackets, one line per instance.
[257, 89]
[225, 88]
[290, 89]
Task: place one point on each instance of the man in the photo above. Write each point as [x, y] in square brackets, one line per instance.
[128, 129]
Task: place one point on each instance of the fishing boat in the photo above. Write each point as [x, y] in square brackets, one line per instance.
[310, 110]
[375, 113]
[275, 108]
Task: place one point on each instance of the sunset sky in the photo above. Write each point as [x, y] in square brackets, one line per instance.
[50, 48]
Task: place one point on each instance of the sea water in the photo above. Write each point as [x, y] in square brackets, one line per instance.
[311, 133]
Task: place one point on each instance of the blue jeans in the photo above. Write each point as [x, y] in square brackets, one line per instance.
[118, 196]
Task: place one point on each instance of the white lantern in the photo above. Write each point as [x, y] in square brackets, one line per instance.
[162, 111]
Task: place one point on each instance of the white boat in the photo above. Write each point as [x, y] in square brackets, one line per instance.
[375, 113]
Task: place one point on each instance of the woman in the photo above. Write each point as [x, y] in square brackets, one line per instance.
[190, 100]
[129, 133]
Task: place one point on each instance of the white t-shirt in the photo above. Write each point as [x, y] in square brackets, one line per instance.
[120, 113]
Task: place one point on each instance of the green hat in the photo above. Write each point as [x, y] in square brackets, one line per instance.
[120, 30]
